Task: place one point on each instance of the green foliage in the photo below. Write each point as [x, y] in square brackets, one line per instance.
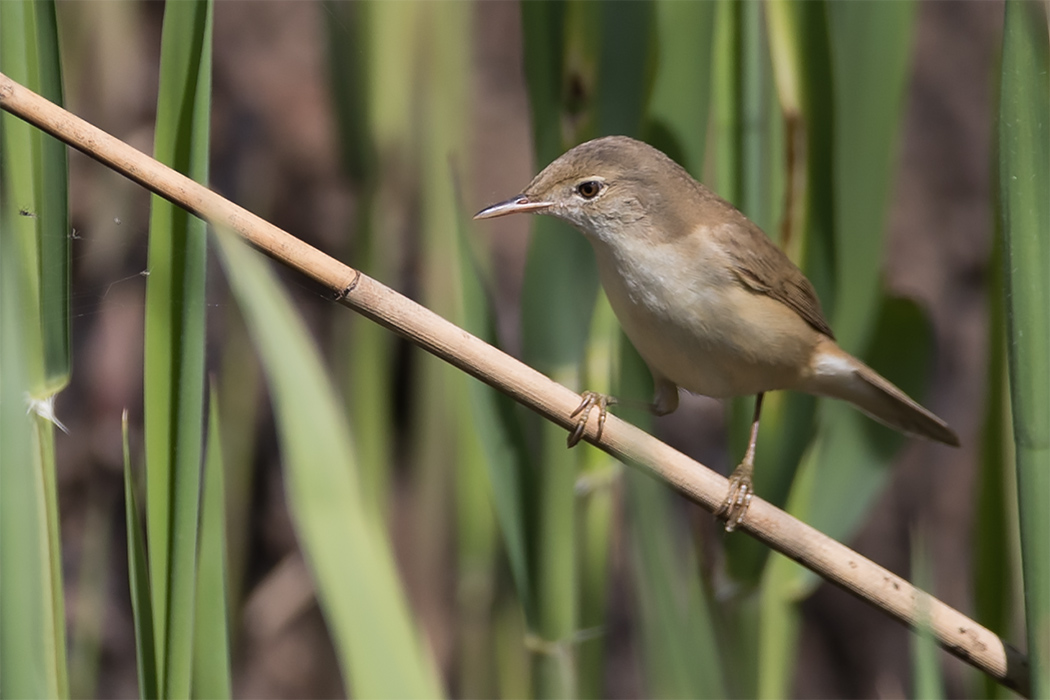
[347, 551]
[35, 186]
[800, 103]
[138, 581]
[1024, 180]
[211, 643]
[27, 649]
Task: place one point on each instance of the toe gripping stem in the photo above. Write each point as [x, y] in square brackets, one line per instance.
[590, 400]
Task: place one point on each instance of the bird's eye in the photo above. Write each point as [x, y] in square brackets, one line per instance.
[589, 189]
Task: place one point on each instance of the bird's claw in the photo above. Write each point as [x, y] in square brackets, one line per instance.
[591, 399]
[738, 499]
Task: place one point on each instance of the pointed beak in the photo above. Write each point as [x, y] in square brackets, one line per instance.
[519, 204]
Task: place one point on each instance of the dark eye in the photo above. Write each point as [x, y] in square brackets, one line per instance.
[589, 189]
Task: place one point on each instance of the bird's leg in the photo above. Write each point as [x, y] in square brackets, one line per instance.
[740, 487]
[591, 400]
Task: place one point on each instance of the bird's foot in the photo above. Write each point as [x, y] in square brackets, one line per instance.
[591, 400]
[739, 497]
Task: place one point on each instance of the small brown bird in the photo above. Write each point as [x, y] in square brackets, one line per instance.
[710, 303]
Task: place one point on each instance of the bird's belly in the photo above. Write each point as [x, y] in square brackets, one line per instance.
[711, 338]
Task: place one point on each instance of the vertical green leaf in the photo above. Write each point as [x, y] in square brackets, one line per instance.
[211, 647]
[1024, 180]
[138, 581]
[54, 227]
[25, 654]
[996, 566]
[35, 219]
[37, 184]
[174, 343]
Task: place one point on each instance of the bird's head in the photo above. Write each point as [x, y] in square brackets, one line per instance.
[604, 187]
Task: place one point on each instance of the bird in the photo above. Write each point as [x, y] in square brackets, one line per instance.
[711, 304]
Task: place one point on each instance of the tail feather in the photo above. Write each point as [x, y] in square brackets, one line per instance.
[842, 376]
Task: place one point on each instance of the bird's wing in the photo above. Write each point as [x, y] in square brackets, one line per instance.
[764, 268]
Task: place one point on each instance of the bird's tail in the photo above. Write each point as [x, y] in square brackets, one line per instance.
[840, 375]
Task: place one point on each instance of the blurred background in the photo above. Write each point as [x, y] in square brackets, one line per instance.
[371, 131]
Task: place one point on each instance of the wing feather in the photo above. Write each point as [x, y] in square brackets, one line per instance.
[765, 269]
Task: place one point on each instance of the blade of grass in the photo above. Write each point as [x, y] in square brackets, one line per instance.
[30, 53]
[52, 214]
[1024, 180]
[211, 647]
[996, 566]
[174, 343]
[28, 664]
[349, 556]
[44, 424]
[54, 231]
[33, 178]
[21, 166]
[138, 580]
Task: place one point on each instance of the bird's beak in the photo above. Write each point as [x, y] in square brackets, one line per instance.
[519, 204]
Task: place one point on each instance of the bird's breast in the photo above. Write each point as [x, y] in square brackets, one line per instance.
[694, 323]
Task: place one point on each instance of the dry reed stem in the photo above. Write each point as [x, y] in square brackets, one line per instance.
[832, 560]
